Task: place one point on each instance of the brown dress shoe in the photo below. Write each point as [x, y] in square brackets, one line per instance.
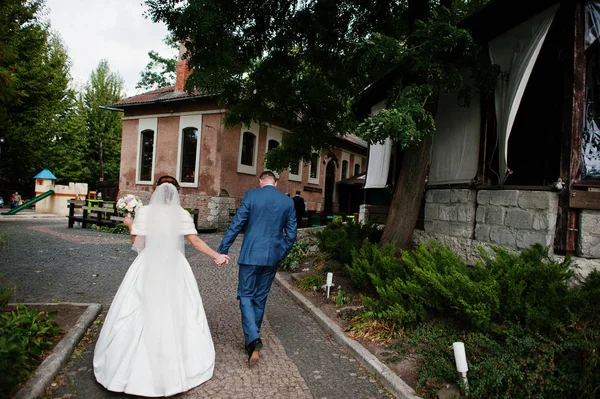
[253, 351]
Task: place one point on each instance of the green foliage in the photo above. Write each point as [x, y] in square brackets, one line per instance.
[160, 71]
[297, 254]
[119, 228]
[527, 290]
[34, 93]
[340, 239]
[302, 62]
[532, 289]
[523, 365]
[103, 127]
[24, 335]
[341, 299]
[314, 280]
[526, 331]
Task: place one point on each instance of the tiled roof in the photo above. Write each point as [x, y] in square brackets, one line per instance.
[159, 95]
[355, 140]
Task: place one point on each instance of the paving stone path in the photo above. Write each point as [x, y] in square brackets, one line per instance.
[50, 262]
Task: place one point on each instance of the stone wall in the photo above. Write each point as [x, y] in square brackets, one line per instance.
[516, 219]
[220, 213]
[589, 234]
[450, 212]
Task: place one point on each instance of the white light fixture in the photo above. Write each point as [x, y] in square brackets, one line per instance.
[461, 364]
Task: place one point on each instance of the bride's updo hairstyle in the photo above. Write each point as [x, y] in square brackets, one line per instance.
[167, 179]
[167, 195]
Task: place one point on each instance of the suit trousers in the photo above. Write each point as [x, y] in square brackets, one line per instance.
[254, 285]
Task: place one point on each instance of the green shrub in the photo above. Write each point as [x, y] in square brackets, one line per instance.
[314, 280]
[24, 335]
[119, 228]
[424, 281]
[528, 334]
[532, 289]
[340, 239]
[297, 254]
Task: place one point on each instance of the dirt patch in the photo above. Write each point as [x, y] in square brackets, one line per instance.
[404, 367]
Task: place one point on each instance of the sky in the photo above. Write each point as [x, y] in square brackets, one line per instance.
[112, 29]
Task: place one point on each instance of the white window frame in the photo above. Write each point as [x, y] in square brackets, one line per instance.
[345, 157]
[315, 180]
[189, 121]
[293, 177]
[273, 134]
[249, 170]
[354, 169]
[143, 125]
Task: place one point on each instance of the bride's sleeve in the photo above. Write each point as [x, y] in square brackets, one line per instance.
[187, 223]
[140, 224]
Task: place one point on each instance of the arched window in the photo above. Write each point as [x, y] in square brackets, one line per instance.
[146, 154]
[314, 164]
[272, 144]
[344, 169]
[189, 152]
[248, 143]
[356, 169]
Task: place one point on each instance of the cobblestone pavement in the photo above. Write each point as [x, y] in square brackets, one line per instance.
[50, 262]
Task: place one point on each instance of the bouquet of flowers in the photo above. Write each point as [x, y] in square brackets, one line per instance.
[128, 204]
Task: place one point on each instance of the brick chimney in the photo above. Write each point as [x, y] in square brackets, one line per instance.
[182, 71]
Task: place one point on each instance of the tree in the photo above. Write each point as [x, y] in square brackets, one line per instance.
[103, 126]
[301, 63]
[34, 78]
[160, 71]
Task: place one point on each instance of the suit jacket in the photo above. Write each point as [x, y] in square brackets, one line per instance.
[267, 214]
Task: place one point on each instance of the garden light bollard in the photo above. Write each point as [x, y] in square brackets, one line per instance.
[329, 282]
[461, 364]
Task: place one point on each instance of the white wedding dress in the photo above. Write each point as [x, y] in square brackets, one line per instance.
[155, 340]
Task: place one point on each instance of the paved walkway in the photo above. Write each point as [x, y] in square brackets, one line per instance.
[50, 262]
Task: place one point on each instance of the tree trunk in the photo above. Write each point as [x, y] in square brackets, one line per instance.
[408, 194]
[101, 161]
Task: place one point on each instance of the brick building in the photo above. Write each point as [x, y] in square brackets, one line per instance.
[170, 131]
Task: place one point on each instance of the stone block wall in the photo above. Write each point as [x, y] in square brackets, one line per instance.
[516, 219]
[589, 234]
[450, 212]
[220, 212]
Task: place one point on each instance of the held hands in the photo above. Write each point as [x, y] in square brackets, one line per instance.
[220, 259]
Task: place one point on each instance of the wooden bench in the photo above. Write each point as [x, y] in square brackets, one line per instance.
[104, 215]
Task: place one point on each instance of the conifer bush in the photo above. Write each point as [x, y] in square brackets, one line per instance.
[528, 332]
[340, 239]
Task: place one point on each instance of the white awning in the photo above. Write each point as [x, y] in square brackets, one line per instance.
[380, 156]
[455, 149]
[516, 52]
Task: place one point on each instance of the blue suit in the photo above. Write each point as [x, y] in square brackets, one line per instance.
[267, 214]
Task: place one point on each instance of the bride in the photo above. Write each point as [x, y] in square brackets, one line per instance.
[155, 340]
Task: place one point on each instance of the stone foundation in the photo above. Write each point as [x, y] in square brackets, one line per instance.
[450, 212]
[516, 219]
[589, 234]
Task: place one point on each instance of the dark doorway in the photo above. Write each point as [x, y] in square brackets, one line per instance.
[329, 185]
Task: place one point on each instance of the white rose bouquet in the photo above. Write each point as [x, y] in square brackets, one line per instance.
[129, 204]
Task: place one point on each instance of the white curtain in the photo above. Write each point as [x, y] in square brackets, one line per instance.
[455, 150]
[380, 156]
[516, 52]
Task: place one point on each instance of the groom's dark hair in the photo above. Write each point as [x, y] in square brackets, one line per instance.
[167, 179]
[268, 173]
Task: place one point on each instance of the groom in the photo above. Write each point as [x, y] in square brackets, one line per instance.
[270, 222]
